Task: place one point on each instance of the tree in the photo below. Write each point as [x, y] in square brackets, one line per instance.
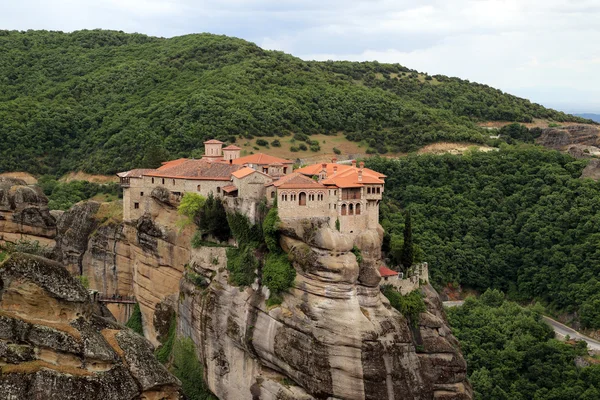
[154, 156]
[408, 253]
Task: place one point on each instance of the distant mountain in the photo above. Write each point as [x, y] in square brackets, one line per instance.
[593, 117]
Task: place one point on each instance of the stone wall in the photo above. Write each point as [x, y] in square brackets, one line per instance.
[418, 275]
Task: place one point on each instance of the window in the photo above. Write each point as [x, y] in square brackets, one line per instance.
[378, 190]
[152, 180]
[343, 209]
[163, 181]
[351, 209]
[272, 195]
[142, 194]
[335, 206]
[136, 205]
[218, 190]
[198, 188]
[358, 209]
[335, 192]
[285, 170]
[368, 190]
[173, 182]
[265, 170]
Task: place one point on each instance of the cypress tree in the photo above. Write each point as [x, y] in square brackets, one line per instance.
[408, 254]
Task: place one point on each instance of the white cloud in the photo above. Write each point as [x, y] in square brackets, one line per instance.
[539, 48]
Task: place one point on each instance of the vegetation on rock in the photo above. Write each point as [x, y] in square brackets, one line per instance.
[188, 369]
[410, 305]
[135, 322]
[512, 353]
[519, 220]
[63, 195]
[106, 101]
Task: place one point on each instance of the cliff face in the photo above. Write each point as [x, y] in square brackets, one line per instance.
[334, 335]
[24, 213]
[55, 343]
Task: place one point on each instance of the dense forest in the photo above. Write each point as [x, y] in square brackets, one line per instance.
[512, 354]
[519, 219]
[104, 101]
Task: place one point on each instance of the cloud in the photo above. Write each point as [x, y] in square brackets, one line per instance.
[539, 48]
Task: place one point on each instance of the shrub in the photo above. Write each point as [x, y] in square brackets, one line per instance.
[278, 274]
[274, 300]
[213, 219]
[84, 281]
[25, 246]
[243, 230]
[337, 224]
[337, 151]
[262, 142]
[270, 228]
[302, 147]
[276, 143]
[135, 322]
[241, 264]
[315, 148]
[294, 149]
[189, 370]
[191, 206]
[163, 353]
[410, 305]
[358, 254]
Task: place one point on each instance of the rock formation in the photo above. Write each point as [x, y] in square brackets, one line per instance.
[24, 213]
[55, 343]
[334, 335]
[564, 137]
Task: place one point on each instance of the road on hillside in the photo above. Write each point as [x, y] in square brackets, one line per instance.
[560, 330]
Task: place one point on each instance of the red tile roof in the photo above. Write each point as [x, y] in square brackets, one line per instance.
[385, 271]
[261, 159]
[229, 188]
[240, 173]
[297, 181]
[213, 141]
[194, 169]
[232, 147]
[346, 175]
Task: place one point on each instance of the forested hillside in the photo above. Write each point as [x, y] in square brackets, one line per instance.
[104, 101]
[518, 219]
[512, 353]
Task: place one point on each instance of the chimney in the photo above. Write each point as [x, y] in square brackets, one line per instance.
[360, 175]
[362, 164]
[354, 163]
[334, 160]
[324, 171]
[335, 169]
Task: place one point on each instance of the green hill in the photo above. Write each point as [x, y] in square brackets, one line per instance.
[104, 101]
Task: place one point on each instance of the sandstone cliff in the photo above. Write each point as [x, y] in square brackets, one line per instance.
[334, 336]
[55, 343]
[24, 213]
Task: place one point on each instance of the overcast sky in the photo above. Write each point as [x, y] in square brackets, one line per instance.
[545, 50]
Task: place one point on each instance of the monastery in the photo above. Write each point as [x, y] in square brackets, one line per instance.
[349, 194]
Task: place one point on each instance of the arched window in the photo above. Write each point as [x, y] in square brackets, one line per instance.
[350, 209]
[198, 188]
[358, 209]
[343, 209]
[272, 195]
[302, 199]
